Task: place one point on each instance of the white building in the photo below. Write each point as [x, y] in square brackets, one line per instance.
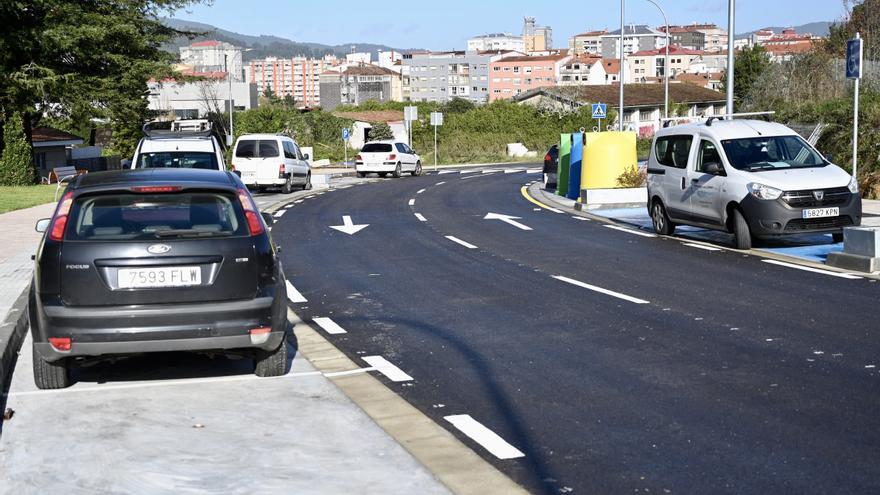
[298, 77]
[589, 43]
[358, 58]
[635, 39]
[495, 42]
[389, 59]
[196, 99]
[211, 57]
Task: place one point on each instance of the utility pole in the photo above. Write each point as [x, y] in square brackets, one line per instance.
[229, 137]
[665, 62]
[620, 74]
[731, 35]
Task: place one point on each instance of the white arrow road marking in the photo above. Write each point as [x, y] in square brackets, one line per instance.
[459, 241]
[630, 231]
[348, 227]
[601, 290]
[293, 294]
[329, 326]
[280, 213]
[487, 438]
[507, 219]
[390, 371]
[412, 202]
[814, 270]
[421, 217]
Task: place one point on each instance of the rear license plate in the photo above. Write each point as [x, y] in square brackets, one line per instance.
[169, 276]
[820, 212]
[248, 175]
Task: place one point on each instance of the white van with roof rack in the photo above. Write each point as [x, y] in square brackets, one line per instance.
[752, 178]
[271, 160]
[188, 144]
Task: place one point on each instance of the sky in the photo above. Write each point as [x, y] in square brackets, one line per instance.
[446, 25]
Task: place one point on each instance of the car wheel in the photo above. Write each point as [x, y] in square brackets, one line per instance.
[418, 170]
[362, 174]
[48, 375]
[383, 174]
[662, 224]
[308, 185]
[838, 237]
[396, 173]
[271, 363]
[741, 231]
[287, 188]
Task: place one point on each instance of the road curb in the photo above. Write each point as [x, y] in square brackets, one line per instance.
[12, 333]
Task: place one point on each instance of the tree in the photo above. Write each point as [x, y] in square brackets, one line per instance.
[457, 105]
[380, 130]
[749, 65]
[15, 162]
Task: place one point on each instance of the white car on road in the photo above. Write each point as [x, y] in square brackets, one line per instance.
[384, 157]
[188, 144]
[270, 160]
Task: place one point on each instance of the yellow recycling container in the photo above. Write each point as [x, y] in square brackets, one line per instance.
[606, 156]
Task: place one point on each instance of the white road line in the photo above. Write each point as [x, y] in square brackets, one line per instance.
[421, 217]
[582, 219]
[440, 183]
[512, 170]
[700, 246]
[814, 270]
[329, 326]
[631, 231]
[467, 171]
[487, 438]
[420, 191]
[601, 290]
[477, 176]
[294, 295]
[356, 371]
[534, 171]
[447, 172]
[320, 193]
[280, 213]
[390, 371]
[289, 205]
[459, 241]
[555, 210]
[342, 187]
[412, 202]
[298, 201]
[490, 171]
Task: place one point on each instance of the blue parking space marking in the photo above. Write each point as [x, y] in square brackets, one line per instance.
[816, 251]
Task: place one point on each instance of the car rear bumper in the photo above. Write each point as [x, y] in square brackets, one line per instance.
[257, 182]
[775, 218]
[97, 331]
[376, 167]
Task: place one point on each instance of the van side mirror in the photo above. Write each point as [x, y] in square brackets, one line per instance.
[829, 157]
[306, 156]
[713, 168]
[268, 218]
[42, 225]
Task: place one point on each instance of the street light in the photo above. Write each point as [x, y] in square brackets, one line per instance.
[621, 77]
[665, 63]
[731, 25]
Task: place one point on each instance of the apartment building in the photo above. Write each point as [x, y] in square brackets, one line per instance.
[193, 100]
[212, 57]
[496, 42]
[647, 65]
[298, 77]
[589, 42]
[536, 38]
[716, 38]
[635, 39]
[584, 69]
[441, 76]
[357, 84]
[685, 38]
[511, 76]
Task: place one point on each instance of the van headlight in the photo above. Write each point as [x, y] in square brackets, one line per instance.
[761, 191]
[854, 186]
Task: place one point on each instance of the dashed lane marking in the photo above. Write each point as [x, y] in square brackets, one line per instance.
[700, 246]
[390, 371]
[534, 170]
[459, 241]
[420, 191]
[280, 213]
[440, 183]
[487, 438]
[601, 290]
[412, 202]
[294, 295]
[329, 326]
[630, 231]
[582, 219]
[513, 170]
[447, 172]
[420, 217]
[814, 270]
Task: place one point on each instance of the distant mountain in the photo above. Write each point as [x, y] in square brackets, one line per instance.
[816, 28]
[267, 46]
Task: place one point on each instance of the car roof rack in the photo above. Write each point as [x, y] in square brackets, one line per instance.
[177, 131]
[713, 118]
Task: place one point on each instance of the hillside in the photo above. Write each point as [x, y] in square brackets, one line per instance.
[816, 28]
[267, 46]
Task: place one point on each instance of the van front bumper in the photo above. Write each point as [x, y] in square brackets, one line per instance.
[776, 218]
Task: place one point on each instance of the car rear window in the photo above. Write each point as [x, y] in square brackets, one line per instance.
[257, 148]
[376, 148]
[128, 216]
[178, 159]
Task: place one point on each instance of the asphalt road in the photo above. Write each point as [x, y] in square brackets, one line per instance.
[613, 362]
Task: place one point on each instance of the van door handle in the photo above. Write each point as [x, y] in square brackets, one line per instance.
[682, 184]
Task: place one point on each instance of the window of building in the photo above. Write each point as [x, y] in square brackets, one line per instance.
[496, 69]
[507, 69]
[516, 69]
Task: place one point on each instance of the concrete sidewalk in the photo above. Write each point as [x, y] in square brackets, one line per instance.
[19, 244]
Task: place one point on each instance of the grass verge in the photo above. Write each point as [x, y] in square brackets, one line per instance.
[18, 197]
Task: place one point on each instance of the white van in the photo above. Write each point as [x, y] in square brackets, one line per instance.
[752, 178]
[186, 145]
[270, 160]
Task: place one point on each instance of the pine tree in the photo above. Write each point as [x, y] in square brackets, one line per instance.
[16, 161]
[381, 130]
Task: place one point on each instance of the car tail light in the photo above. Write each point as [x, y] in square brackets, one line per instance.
[547, 157]
[233, 167]
[156, 189]
[59, 222]
[281, 169]
[391, 158]
[62, 344]
[260, 335]
[359, 158]
[254, 222]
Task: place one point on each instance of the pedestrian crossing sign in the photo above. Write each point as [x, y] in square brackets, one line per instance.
[599, 111]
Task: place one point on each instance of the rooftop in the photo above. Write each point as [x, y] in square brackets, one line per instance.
[50, 134]
[635, 95]
[673, 50]
[368, 70]
[542, 58]
[372, 116]
[635, 30]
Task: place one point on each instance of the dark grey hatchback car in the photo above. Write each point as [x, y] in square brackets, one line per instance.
[155, 260]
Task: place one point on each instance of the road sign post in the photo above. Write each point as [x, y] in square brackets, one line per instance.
[410, 113]
[854, 71]
[599, 113]
[436, 121]
[345, 136]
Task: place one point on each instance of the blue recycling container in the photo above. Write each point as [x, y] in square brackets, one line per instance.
[574, 170]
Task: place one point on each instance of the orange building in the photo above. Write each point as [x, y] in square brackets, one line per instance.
[511, 76]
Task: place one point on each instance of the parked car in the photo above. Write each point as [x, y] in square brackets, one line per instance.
[551, 166]
[752, 178]
[188, 144]
[269, 160]
[155, 260]
[384, 157]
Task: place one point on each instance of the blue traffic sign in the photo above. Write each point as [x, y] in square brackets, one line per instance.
[345, 134]
[854, 59]
[599, 111]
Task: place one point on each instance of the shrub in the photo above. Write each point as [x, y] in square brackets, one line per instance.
[632, 177]
[16, 163]
[380, 130]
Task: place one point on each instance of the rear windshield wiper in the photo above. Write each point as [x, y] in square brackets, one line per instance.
[188, 233]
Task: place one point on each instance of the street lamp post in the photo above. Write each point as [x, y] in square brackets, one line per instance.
[620, 73]
[665, 62]
[229, 137]
[731, 25]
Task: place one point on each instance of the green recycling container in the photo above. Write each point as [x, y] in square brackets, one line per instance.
[563, 164]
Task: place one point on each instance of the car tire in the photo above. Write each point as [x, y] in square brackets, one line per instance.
[662, 224]
[837, 237]
[418, 170]
[271, 363]
[48, 376]
[287, 188]
[361, 174]
[383, 174]
[308, 185]
[741, 232]
[396, 173]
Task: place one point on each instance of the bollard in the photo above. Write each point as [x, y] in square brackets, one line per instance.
[563, 164]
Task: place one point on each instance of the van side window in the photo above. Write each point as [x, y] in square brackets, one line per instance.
[297, 151]
[708, 154]
[673, 151]
[400, 148]
[288, 150]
